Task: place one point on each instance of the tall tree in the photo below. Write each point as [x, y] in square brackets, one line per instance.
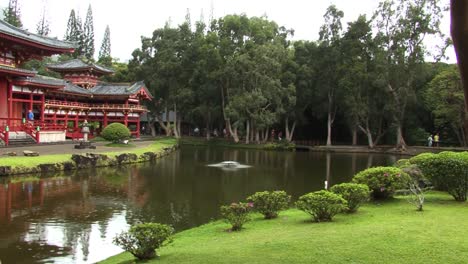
[363, 107]
[444, 97]
[12, 14]
[402, 27]
[88, 35]
[330, 36]
[42, 27]
[74, 33]
[105, 51]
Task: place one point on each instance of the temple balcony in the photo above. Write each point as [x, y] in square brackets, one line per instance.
[94, 107]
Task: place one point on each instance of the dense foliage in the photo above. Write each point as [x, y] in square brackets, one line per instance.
[142, 240]
[244, 76]
[354, 194]
[448, 171]
[321, 205]
[270, 203]
[383, 181]
[237, 214]
[115, 132]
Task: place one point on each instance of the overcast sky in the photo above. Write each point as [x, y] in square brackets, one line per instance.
[129, 20]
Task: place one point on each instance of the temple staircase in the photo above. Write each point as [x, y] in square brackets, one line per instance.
[20, 139]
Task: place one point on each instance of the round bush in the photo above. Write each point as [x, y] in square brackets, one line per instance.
[383, 181]
[321, 205]
[353, 193]
[142, 240]
[237, 214]
[269, 203]
[447, 171]
[115, 132]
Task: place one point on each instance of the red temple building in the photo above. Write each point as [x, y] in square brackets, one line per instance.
[59, 106]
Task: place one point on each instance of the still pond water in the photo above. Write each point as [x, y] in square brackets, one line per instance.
[72, 217]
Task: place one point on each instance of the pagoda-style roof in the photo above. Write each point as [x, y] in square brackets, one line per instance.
[72, 88]
[6, 70]
[120, 89]
[20, 36]
[40, 81]
[109, 90]
[78, 65]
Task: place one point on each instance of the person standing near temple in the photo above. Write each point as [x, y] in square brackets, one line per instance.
[30, 116]
[436, 139]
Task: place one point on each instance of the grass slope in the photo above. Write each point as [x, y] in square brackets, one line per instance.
[155, 146]
[392, 232]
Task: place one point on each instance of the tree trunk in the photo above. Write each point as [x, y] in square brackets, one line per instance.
[151, 124]
[257, 136]
[175, 130]
[459, 30]
[401, 144]
[354, 133]
[247, 132]
[368, 133]
[329, 129]
[291, 134]
[167, 126]
[265, 135]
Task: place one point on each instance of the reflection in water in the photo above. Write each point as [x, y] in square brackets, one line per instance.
[72, 217]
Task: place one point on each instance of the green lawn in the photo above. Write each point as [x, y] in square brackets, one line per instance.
[35, 161]
[390, 232]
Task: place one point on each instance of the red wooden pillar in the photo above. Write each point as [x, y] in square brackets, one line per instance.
[42, 107]
[10, 103]
[31, 101]
[55, 117]
[138, 127]
[105, 119]
[126, 119]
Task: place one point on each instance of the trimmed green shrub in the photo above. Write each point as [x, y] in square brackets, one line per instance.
[383, 181]
[270, 203]
[447, 171]
[237, 214]
[116, 132]
[353, 193]
[321, 205]
[142, 240]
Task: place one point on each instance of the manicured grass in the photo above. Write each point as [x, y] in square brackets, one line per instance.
[47, 159]
[34, 161]
[390, 232]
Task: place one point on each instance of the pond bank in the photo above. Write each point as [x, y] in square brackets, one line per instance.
[385, 231]
[384, 149]
[70, 160]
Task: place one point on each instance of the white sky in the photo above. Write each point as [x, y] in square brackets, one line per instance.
[129, 20]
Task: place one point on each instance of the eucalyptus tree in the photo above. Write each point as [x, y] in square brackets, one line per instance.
[445, 98]
[249, 51]
[329, 61]
[401, 29]
[364, 107]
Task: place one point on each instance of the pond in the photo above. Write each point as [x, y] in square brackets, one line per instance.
[72, 217]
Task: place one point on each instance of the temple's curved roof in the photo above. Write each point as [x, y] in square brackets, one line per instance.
[13, 33]
[79, 65]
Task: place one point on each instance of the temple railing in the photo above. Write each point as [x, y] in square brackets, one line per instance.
[86, 106]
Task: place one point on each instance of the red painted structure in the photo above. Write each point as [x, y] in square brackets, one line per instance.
[59, 105]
